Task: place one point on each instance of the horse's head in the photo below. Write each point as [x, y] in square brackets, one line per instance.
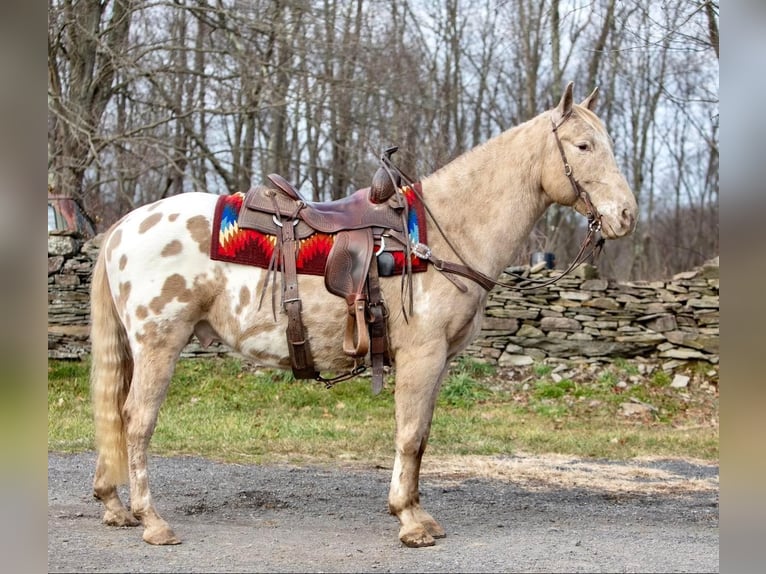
[580, 169]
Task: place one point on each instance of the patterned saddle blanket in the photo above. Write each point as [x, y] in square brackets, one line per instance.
[252, 247]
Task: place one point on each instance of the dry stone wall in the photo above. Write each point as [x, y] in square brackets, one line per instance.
[70, 263]
[581, 316]
[584, 316]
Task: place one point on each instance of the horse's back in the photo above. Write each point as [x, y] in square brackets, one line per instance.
[187, 218]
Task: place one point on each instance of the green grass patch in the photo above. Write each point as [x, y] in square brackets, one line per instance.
[226, 410]
[462, 390]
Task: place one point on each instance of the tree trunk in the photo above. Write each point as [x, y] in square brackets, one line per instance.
[90, 46]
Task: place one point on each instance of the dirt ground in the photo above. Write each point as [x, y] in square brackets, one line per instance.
[502, 514]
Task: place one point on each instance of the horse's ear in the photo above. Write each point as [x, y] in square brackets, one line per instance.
[565, 105]
[590, 101]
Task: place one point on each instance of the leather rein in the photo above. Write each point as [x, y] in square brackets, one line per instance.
[592, 239]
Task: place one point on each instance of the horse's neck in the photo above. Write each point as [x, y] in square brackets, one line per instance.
[488, 199]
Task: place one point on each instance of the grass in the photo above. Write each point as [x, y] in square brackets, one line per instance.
[226, 410]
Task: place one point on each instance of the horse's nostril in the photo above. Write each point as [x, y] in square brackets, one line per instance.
[628, 218]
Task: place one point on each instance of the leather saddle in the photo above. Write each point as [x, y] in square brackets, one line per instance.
[264, 207]
[357, 224]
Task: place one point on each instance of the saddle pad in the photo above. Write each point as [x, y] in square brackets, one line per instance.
[250, 247]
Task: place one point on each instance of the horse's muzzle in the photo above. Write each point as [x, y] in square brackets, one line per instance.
[618, 222]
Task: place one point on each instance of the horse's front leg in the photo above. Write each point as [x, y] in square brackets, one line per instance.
[418, 377]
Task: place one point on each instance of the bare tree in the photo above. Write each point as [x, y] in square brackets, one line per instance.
[87, 40]
[152, 99]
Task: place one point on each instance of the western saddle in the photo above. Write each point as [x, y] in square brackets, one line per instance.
[358, 223]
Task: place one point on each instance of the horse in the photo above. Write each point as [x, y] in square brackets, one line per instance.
[154, 287]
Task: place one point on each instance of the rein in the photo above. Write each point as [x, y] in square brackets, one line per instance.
[464, 269]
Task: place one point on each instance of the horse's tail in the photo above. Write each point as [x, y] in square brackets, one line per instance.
[111, 372]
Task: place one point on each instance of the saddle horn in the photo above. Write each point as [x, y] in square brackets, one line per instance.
[385, 182]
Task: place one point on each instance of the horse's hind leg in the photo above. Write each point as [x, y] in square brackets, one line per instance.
[418, 376]
[154, 365]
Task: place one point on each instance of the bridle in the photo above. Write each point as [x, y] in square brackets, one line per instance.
[592, 239]
[594, 217]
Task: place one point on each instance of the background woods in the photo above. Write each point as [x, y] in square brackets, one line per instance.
[149, 99]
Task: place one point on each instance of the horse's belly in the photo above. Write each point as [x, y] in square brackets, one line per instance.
[246, 319]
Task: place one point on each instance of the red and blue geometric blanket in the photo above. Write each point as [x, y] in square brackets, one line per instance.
[251, 247]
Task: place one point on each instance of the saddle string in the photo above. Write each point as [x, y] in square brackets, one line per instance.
[466, 270]
[277, 258]
[271, 270]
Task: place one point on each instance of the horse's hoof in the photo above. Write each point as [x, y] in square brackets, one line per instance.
[160, 535]
[434, 529]
[122, 518]
[417, 537]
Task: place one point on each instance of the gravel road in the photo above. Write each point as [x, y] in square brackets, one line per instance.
[517, 514]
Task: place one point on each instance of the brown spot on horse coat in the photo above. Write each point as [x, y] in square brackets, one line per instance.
[141, 312]
[173, 288]
[123, 261]
[122, 298]
[200, 230]
[244, 299]
[114, 242]
[172, 248]
[259, 329]
[149, 222]
[173, 216]
[151, 335]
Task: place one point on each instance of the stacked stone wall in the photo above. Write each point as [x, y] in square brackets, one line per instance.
[581, 316]
[70, 264]
[584, 316]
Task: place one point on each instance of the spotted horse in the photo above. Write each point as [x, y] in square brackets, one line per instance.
[155, 286]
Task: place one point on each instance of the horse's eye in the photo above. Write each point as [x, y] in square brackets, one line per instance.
[583, 146]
